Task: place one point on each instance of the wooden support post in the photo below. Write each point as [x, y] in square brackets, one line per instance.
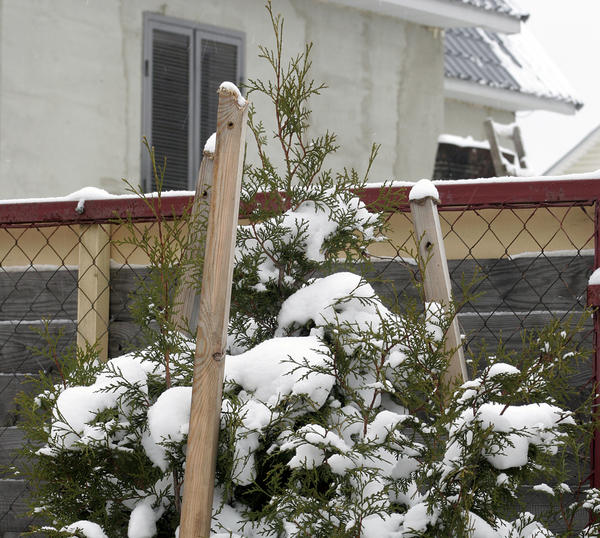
[436, 280]
[93, 290]
[187, 299]
[213, 317]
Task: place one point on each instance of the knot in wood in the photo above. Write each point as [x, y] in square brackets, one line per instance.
[218, 356]
[428, 245]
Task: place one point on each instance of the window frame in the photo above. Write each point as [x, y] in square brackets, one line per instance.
[196, 32]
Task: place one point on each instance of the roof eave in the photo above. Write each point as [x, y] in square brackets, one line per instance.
[483, 95]
[439, 13]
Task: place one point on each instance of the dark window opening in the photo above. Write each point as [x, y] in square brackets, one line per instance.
[464, 162]
[184, 63]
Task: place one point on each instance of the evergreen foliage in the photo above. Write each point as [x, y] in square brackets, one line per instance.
[337, 420]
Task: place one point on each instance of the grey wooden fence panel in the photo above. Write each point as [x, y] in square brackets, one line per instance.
[520, 284]
[38, 294]
[13, 506]
[18, 340]
[10, 386]
[550, 286]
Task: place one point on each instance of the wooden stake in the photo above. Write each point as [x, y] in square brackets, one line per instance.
[436, 283]
[93, 291]
[213, 318]
[187, 299]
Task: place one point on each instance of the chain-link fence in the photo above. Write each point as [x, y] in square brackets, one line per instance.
[530, 245]
[65, 278]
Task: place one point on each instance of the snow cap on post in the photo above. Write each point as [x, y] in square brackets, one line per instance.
[423, 189]
[230, 87]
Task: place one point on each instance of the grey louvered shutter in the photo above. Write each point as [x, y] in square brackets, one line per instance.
[184, 64]
[218, 62]
[171, 61]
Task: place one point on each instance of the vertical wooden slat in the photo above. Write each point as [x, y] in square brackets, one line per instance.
[213, 317]
[519, 147]
[436, 280]
[93, 292]
[188, 295]
[495, 151]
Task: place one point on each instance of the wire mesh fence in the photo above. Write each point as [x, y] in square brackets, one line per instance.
[529, 248]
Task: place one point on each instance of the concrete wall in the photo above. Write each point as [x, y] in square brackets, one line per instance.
[70, 86]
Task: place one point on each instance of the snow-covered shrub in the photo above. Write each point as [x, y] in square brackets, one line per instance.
[336, 420]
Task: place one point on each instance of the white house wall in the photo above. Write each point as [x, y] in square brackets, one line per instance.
[464, 119]
[70, 86]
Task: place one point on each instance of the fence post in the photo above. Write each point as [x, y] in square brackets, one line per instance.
[188, 297]
[595, 459]
[93, 290]
[436, 280]
[213, 317]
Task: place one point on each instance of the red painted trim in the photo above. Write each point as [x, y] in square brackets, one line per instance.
[45, 213]
[490, 193]
[519, 192]
[452, 195]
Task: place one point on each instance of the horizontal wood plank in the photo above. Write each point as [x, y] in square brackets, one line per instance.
[124, 284]
[10, 386]
[124, 336]
[527, 283]
[38, 294]
[18, 340]
[11, 439]
[14, 506]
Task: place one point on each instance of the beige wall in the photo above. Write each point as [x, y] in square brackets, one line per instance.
[70, 86]
[494, 233]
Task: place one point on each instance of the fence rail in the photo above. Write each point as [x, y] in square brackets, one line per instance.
[534, 242]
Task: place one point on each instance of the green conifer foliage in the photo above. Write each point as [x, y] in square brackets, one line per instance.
[336, 419]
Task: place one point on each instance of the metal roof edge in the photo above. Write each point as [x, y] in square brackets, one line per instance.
[438, 13]
[484, 95]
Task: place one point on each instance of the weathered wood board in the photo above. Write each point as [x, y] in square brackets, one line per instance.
[13, 506]
[38, 294]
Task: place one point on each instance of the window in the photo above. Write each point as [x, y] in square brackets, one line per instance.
[183, 65]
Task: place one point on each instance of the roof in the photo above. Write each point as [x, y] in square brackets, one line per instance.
[504, 71]
[504, 7]
[496, 15]
[584, 156]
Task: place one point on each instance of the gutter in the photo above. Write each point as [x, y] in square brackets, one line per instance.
[481, 94]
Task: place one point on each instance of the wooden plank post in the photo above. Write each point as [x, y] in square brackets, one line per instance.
[215, 299]
[187, 299]
[93, 290]
[436, 280]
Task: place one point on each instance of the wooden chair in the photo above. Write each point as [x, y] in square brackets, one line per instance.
[502, 167]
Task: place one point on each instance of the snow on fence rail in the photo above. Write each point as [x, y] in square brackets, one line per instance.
[533, 242]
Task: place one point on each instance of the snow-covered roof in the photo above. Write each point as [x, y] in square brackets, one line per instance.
[504, 7]
[497, 15]
[583, 157]
[504, 71]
